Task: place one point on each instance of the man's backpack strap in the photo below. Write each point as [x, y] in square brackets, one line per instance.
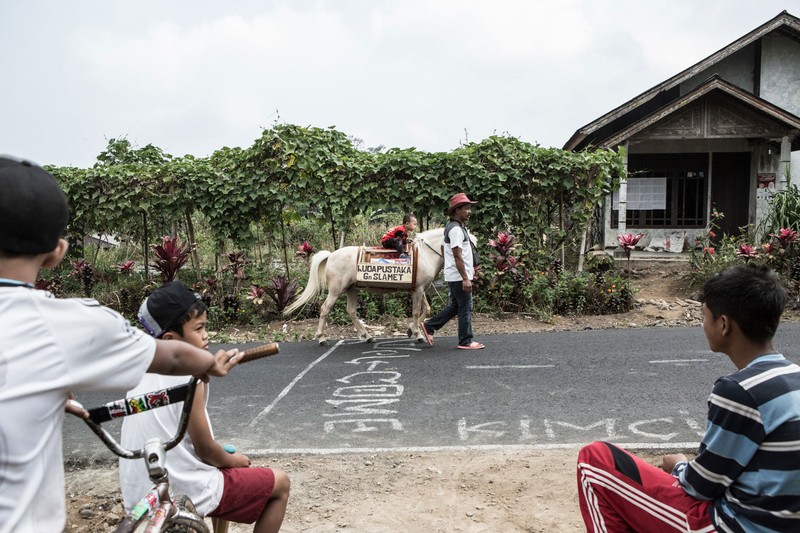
[448, 228]
[450, 225]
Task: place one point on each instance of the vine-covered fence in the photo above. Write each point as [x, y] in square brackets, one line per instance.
[545, 196]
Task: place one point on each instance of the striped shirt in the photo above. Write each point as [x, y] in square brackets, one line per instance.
[749, 459]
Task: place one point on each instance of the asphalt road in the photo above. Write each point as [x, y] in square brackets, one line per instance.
[643, 388]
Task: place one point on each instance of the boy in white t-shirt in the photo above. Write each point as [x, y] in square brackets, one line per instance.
[220, 484]
[50, 347]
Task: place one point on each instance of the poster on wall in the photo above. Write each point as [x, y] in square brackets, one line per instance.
[765, 183]
[644, 193]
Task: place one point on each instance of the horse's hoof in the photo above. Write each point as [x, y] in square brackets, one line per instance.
[421, 339]
[323, 342]
[409, 333]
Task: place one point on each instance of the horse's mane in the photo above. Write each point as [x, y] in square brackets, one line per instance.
[437, 233]
[427, 235]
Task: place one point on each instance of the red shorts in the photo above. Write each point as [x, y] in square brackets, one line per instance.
[245, 492]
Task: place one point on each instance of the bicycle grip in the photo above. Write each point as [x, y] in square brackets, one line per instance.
[260, 351]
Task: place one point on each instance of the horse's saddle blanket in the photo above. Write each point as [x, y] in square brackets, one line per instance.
[382, 268]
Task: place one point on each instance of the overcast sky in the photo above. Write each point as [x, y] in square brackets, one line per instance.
[194, 76]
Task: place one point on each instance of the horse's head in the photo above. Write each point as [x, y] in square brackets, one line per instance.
[428, 246]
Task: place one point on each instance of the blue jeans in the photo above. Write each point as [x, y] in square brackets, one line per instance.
[460, 304]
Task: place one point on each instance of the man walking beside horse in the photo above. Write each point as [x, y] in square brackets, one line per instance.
[460, 260]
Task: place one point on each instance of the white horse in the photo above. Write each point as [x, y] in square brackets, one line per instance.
[337, 271]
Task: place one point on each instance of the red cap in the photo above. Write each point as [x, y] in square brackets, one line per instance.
[457, 200]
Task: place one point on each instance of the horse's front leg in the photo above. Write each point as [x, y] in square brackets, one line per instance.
[352, 301]
[327, 305]
[419, 311]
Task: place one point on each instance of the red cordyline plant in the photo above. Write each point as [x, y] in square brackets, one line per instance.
[628, 242]
[305, 250]
[504, 247]
[282, 291]
[208, 287]
[126, 268]
[257, 294]
[785, 237]
[747, 252]
[238, 261]
[170, 257]
[85, 272]
[43, 284]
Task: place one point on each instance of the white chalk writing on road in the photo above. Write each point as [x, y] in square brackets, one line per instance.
[368, 392]
[663, 429]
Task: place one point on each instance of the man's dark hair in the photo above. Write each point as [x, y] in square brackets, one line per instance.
[407, 217]
[197, 309]
[752, 296]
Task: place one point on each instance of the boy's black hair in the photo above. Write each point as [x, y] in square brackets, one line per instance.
[407, 217]
[752, 296]
[197, 309]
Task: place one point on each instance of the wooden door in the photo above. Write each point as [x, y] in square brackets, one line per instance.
[730, 190]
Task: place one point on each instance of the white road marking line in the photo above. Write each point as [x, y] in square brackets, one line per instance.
[297, 378]
[667, 361]
[486, 447]
[494, 367]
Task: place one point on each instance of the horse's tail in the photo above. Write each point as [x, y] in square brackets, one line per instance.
[316, 282]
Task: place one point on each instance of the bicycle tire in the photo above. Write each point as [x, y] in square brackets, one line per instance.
[186, 520]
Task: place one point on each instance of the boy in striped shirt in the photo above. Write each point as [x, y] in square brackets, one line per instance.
[746, 476]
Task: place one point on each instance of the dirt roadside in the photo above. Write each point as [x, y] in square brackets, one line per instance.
[474, 491]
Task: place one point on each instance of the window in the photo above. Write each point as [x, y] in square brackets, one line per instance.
[665, 191]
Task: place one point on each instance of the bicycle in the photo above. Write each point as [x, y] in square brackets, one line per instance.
[164, 513]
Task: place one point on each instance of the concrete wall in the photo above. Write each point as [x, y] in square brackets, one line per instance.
[736, 68]
[780, 72]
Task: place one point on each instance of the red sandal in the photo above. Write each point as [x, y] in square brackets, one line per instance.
[428, 336]
[472, 346]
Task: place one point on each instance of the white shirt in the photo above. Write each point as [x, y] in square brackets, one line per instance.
[188, 474]
[49, 347]
[457, 240]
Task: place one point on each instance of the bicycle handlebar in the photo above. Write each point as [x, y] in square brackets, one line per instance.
[153, 400]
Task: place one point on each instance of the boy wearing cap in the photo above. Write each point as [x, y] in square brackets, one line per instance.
[220, 484]
[459, 270]
[50, 347]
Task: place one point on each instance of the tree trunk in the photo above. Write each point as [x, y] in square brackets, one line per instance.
[583, 248]
[561, 224]
[333, 230]
[97, 250]
[144, 248]
[193, 244]
[285, 252]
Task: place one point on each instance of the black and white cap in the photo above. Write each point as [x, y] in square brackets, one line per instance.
[165, 307]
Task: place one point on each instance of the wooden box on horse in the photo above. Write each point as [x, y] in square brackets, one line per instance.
[380, 268]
